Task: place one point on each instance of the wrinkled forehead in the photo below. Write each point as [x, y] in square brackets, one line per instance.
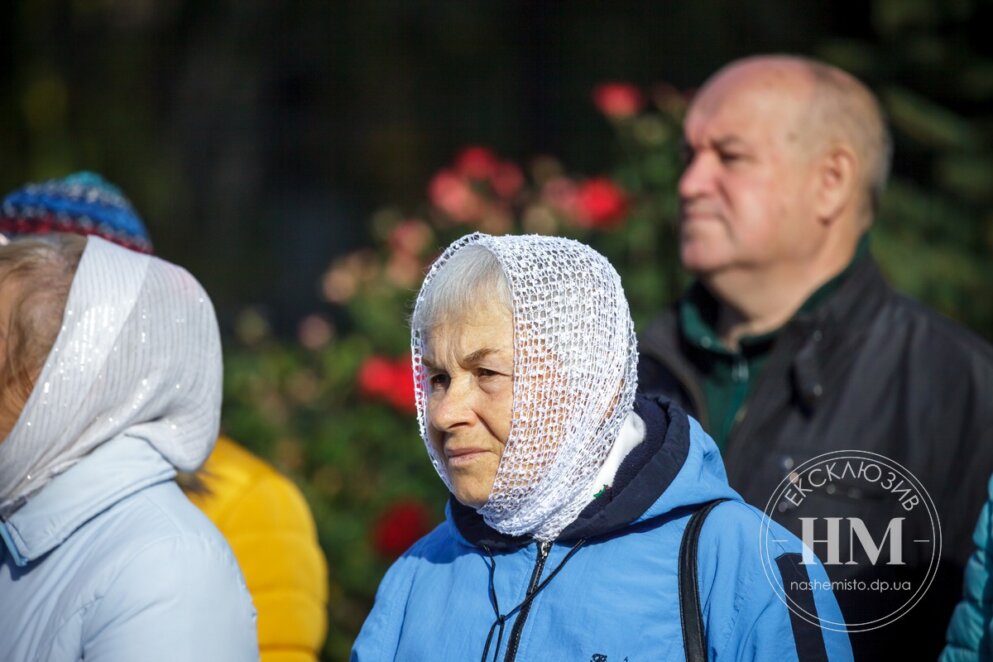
[486, 326]
[749, 101]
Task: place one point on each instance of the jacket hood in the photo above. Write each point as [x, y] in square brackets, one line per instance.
[675, 468]
[138, 354]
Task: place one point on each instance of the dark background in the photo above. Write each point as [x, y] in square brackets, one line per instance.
[257, 137]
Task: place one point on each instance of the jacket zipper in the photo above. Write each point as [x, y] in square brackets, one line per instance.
[515, 635]
[782, 361]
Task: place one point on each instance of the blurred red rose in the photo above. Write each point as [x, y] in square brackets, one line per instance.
[451, 194]
[315, 332]
[399, 527]
[401, 393]
[507, 180]
[618, 100]
[410, 236]
[601, 203]
[403, 270]
[476, 162]
[390, 381]
[375, 377]
[560, 193]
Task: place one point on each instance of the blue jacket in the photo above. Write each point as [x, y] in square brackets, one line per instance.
[110, 562]
[970, 634]
[608, 587]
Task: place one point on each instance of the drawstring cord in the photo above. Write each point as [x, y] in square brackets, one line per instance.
[501, 620]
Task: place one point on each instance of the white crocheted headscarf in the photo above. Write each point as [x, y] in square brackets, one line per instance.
[138, 353]
[575, 375]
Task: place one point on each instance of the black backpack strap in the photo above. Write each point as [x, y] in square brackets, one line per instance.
[690, 615]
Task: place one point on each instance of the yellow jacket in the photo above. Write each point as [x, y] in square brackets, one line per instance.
[266, 521]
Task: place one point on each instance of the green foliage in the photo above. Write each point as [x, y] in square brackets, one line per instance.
[353, 458]
[934, 233]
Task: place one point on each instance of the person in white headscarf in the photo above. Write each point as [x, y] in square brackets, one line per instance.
[569, 496]
[110, 369]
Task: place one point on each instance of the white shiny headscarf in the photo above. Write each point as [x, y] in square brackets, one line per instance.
[575, 375]
[138, 353]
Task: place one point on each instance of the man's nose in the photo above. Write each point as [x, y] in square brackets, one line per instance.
[697, 177]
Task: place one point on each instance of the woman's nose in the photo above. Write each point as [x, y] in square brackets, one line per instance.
[449, 408]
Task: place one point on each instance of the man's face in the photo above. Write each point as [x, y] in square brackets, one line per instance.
[470, 364]
[744, 193]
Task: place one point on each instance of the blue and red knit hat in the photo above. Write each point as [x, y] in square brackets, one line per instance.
[82, 203]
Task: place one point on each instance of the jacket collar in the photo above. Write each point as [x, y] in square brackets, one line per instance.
[698, 309]
[644, 475]
[843, 315]
[845, 312]
[111, 473]
[852, 306]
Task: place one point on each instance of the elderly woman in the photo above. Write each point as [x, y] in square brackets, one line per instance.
[570, 497]
[110, 370]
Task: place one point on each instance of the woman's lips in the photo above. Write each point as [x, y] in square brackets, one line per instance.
[462, 456]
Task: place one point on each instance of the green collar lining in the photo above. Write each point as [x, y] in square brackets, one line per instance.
[698, 312]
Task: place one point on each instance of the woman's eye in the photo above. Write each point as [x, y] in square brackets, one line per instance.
[730, 157]
[484, 372]
[438, 381]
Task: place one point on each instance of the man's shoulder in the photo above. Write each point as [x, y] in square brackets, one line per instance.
[663, 328]
[868, 312]
[663, 366]
[659, 345]
[934, 330]
[930, 336]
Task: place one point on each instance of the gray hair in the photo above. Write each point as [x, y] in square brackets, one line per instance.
[846, 110]
[462, 283]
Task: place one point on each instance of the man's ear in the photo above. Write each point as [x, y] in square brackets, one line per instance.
[836, 186]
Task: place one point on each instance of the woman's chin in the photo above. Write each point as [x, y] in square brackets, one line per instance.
[472, 498]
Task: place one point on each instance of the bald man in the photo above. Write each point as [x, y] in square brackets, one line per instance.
[791, 345]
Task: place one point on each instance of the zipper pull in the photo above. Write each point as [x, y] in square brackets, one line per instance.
[543, 549]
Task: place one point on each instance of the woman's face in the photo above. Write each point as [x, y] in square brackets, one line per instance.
[470, 398]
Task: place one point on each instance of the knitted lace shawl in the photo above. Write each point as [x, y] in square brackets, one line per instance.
[575, 375]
